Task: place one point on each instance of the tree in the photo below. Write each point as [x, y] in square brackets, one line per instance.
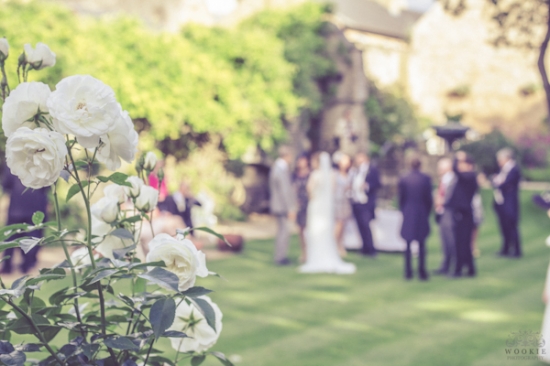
[518, 23]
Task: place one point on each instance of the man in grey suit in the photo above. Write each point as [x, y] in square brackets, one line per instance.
[445, 216]
[282, 202]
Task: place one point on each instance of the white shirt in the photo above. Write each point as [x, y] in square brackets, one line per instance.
[358, 193]
[281, 164]
[500, 178]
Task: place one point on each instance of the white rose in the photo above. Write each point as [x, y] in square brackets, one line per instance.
[36, 156]
[39, 57]
[147, 199]
[150, 161]
[548, 241]
[81, 257]
[85, 107]
[106, 243]
[4, 48]
[106, 209]
[181, 257]
[135, 189]
[116, 192]
[201, 335]
[23, 104]
[119, 143]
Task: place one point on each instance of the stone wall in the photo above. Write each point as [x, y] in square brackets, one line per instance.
[384, 58]
[347, 105]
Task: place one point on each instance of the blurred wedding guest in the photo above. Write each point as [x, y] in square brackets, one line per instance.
[299, 180]
[415, 203]
[282, 202]
[23, 204]
[342, 205]
[506, 203]
[364, 187]
[460, 204]
[154, 182]
[477, 207]
[444, 217]
[181, 204]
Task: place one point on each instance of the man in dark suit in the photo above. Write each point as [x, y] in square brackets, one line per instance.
[181, 204]
[365, 185]
[459, 205]
[23, 204]
[415, 202]
[506, 203]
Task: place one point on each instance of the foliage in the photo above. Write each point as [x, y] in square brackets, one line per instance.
[534, 150]
[484, 151]
[169, 84]
[302, 30]
[390, 115]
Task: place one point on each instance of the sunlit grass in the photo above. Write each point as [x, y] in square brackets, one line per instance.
[274, 316]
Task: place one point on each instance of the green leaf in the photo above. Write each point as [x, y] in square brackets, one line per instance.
[147, 264]
[174, 334]
[159, 360]
[122, 233]
[196, 291]
[132, 219]
[38, 217]
[29, 347]
[16, 358]
[197, 360]
[120, 179]
[75, 188]
[103, 274]
[23, 326]
[123, 343]
[6, 347]
[161, 315]
[47, 274]
[210, 231]
[8, 245]
[221, 357]
[206, 309]
[162, 277]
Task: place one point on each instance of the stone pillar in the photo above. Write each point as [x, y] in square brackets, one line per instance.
[344, 125]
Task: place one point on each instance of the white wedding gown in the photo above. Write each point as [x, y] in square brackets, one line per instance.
[322, 252]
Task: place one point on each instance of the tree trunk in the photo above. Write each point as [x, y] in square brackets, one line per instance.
[542, 64]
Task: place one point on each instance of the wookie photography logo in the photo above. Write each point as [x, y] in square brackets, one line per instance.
[525, 345]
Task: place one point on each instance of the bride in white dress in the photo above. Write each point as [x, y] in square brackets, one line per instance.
[322, 251]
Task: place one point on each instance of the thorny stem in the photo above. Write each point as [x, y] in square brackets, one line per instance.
[68, 256]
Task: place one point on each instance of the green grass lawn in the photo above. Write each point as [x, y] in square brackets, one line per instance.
[276, 316]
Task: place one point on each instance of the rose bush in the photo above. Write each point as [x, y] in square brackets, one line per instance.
[62, 134]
